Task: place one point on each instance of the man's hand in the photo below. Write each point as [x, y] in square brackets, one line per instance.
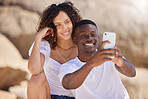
[102, 55]
[118, 60]
[122, 65]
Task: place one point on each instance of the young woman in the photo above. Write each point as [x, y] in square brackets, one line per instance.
[52, 47]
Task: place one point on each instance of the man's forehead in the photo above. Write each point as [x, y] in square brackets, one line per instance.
[85, 27]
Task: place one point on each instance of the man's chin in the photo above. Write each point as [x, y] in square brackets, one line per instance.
[90, 51]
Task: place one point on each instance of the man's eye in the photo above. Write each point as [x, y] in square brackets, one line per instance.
[83, 36]
[93, 35]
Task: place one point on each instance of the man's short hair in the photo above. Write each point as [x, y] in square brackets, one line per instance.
[82, 22]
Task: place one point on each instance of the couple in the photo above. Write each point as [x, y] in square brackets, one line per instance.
[89, 75]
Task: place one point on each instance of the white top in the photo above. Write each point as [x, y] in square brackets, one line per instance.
[103, 82]
[51, 68]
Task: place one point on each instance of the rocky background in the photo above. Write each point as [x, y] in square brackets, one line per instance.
[19, 20]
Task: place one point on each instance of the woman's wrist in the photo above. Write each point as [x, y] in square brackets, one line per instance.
[38, 37]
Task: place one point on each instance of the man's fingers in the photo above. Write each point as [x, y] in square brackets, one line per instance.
[108, 55]
[107, 59]
[118, 55]
[107, 51]
[103, 44]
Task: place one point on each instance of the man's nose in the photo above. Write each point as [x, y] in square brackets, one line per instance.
[89, 37]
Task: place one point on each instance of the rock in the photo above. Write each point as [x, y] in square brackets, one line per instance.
[20, 22]
[7, 95]
[31, 5]
[19, 27]
[20, 90]
[10, 56]
[10, 77]
[137, 86]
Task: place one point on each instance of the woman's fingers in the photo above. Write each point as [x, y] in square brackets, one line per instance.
[46, 31]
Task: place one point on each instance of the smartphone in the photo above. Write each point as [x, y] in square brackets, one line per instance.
[111, 37]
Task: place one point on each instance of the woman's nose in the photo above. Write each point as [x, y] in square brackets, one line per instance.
[64, 27]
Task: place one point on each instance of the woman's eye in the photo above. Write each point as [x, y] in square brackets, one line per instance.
[67, 21]
[57, 25]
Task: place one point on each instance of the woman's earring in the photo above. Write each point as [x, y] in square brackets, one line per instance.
[55, 39]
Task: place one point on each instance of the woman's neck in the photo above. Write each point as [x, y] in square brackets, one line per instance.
[65, 44]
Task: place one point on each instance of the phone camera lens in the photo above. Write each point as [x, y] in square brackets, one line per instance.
[105, 33]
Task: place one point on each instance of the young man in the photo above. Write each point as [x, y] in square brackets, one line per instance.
[93, 75]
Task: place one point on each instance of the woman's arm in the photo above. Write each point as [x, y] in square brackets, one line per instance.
[37, 59]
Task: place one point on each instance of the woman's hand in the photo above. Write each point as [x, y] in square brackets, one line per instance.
[44, 32]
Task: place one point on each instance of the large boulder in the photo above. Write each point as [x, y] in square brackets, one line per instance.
[20, 90]
[10, 77]
[10, 56]
[19, 27]
[7, 95]
[31, 5]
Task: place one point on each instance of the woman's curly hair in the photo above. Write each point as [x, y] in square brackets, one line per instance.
[48, 15]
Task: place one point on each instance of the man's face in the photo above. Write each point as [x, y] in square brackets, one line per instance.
[87, 38]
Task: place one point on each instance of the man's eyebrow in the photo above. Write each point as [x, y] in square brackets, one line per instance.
[81, 32]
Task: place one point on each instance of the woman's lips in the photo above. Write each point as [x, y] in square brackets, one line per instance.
[66, 33]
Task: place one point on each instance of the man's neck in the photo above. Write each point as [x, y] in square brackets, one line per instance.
[84, 57]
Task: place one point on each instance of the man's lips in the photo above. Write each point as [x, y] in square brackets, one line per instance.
[89, 44]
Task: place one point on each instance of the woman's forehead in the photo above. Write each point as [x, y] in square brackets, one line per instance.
[62, 16]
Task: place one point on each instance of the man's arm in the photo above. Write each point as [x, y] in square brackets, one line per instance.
[75, 79]
[122, 65]
[126, 68]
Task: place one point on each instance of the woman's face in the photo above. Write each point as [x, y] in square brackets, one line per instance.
[64, 26]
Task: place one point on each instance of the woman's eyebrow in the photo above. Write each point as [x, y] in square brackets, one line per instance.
[59, 22]
[67, 19]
